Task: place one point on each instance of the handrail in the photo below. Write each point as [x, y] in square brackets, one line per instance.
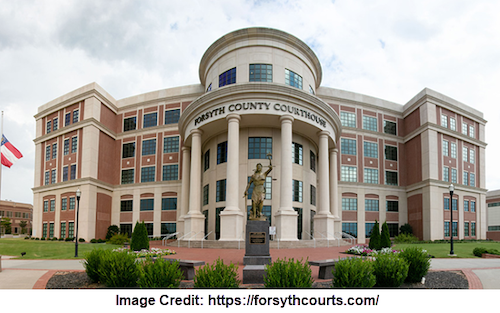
[179, 239]
[204, 239]
[311, 236]
[164, 240]
[189, 240]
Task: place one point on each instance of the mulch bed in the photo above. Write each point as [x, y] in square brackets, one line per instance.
[433, 280]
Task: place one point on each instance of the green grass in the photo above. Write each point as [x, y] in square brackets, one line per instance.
[37, 249]
[461, 249]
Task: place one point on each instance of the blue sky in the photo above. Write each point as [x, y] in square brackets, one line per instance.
[386, 49]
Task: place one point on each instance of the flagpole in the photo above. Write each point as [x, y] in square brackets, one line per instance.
[1, 130]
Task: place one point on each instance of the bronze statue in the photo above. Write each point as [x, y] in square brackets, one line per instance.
[259, 191]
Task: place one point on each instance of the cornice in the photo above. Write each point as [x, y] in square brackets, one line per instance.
[443, 130]
[81, 124]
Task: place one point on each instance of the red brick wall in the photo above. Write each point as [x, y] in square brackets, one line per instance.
[415, 215]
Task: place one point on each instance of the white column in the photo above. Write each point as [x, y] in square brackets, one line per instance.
[194, 220]
[186, 165]
[232, 217]
[323, 220]
[286, 217]
[334, 186]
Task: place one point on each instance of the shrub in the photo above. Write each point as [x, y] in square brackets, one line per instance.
[140, 238]
[385, 238]
[374, 243]
[61, 239]
[478, 251]
[81, 240]
[390, 270]
[405, 238]
[69, 239]
[43, 238]
[354, 273]
[286, 274]
[92, 262]
[93, 240]
[217, 275]
[160, 273]
[100, 240]
[112, 230]
[118, 269]
[406, 229]
[118, 239]
[54, 239]
[419, 263]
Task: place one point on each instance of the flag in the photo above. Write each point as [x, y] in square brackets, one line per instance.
[9, 153]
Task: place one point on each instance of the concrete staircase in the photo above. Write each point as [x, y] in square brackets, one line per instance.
[274, 244]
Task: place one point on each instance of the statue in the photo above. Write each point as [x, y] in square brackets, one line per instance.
[259, 191]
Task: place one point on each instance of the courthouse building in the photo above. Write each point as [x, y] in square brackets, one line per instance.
[179, 159]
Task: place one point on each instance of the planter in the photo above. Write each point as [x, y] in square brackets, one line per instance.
[490, 256]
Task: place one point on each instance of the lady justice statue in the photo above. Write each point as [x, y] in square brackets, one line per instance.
[259, 191]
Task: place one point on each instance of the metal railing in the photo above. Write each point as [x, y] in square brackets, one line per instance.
[179, 239]
[343, 236]
[312, 238]
[166, 238]
[190, 238]
[204, 239]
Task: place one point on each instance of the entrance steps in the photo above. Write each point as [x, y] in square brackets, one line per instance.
[273, 244]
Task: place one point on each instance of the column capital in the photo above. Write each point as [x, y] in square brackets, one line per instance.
[196, 132]
[323, 133]
[185, 148]
[287, 117]
[233, 116]
[334, 150]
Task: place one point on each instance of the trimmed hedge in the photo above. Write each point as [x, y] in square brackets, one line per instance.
[354, 273]
[288, 274]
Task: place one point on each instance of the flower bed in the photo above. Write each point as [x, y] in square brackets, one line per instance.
[153, 252]
[365, 251]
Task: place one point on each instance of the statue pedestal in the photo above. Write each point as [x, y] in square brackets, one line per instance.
[256, 252]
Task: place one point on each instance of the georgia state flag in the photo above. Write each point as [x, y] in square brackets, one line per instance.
[9, 153]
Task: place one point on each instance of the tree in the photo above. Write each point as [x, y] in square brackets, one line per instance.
[406, 229]
[5, 224]
[385, 238]
[374, 243]
[23, 224]
[112, 230]
[140, 238]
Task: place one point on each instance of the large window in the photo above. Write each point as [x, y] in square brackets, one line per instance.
[297, 190]
[390, 127]
[348, 119]
[74, 144]
[473, 229]
[391, 178]
[370, 123]
[455, 229]
[446, 173]
[471, 131]
[128, 150]
[466, 229]
[267, 186]
[466, 206]
[369, 229]
[371, 176]
[259, 147]
[76, 115]
[150, 120]
[128, 176]
[64, 204]
[228, 77]
[205, 195]
[370, 149]
[465, 154]
[222, 152]
[348, 173]
[55, 124]
[472, 179]
[297, 153]
[126, 205]
[63, 230]
[453, 150]
[170, 172]
[129, 123]
[148, 174]
[313, 195]
[464, 128]
[169, 204]
[149, 147]
[206, 160]
[393, 229]
[349, 204]
[54, 151]
[444, 121]
[147, 204]
[391, 153]
[220, 193]
[67, 119]
[348, 146]
[447, 229]
[72, 201]
[445, 148]
[71, 229]
[371, 204]
[446, 204]
[168, 228]
[65, 173]
[171, 144]
[392, 205]
[72, 174]
[472, 156]
[293, 79]
[466, 178]
[453, 124]
[49, 126]
[53, 177]
[261, 73]
[172, 116]
[47, 153]
[350, 228]
[66, 146]
[312, 160]
[454, 175]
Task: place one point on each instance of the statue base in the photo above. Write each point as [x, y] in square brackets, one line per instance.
[256, 251]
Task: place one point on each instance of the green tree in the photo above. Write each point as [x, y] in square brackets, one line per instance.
[23, 224]
[112, 230]
[6, 225]
[140, 238]
[374, 243]
[406, 229]
[385, 238]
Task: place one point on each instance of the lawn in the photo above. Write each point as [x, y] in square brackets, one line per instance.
[461, 249]
[37, 249]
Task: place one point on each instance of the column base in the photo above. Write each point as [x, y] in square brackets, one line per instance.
[286, 225]
[324, 226]
[194, 225]
[231, 224]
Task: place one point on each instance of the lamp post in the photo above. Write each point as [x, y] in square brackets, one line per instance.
[451, 188]
[78, 194]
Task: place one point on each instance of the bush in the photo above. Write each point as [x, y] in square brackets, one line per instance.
[374, 243]
[160, 273]
[92, 262]
[406, 229]
[112, 230]
[405, 238]
[478, 251]
[118, 239]
[140, 238]
[61, 239]
[354, 273]
[385, 238]
[69, 239]
[118, 269]
[287, 274]
[81, 240]
[419, 263]
[217, 275]
[390, 270]
[54, 239]
[100, 240]
[93, 240]
[43, 238]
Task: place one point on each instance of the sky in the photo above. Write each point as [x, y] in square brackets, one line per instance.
[389, 49]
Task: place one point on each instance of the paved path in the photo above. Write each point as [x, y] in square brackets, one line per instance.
[34, 274]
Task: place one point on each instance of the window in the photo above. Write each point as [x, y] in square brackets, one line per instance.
[209, 88]
[466, 178]
[446, 204]
[222, 152]
[126, 229]
[206, 160]
[297, 190]
[370, 149]
[350, 228]
[347, 146]
[128, 150]
[453, 150]
[220, 193]
[72, 203]
[313, 195]
[64, 204]
[74, 144]
[371, 176]
[473, 206]
[311, 90]
[454, 175]
[473, 229]
[348, 119]
[261, 73]
[228, 77]
[390, 127]
[349, 204]
[296, 153]
[63, 230]
[391, 153]
[205, 195]
[466, 206]
[293, 79]
[44, 231]
[47, 153]
[168, 228]
[150, 120]
[391, 178]
[73, 171]
[52, 205]
[71, 229]
[259, 147]
[472, 178]
[392, 206]
[149, 147]
[171, 144]
[447, 229]
[267, 186]
[466, 229]
[129, 123]
[54, 151]
[445, 148]
[472, 156]
[444, 121]
[471, 131]
[67, 119]
[149, 229]
[312, 160]
[66, 146]
[455, 229]
[147, 204]
[172, 116]
[76, 114]
[369, 228]
[465, 154]
[453, 124]
[126, 205]
[454, 204]
[53, 177]
[371, 204]
[169, 204]
[299, 222]
[148, 174]
[348, 173]
[170, 172]
[464, 128]
[46, 206]
[65, 173]
[47, 177]
[370, 123]
[446, 174]
[55, 124]
[128, 176]
[217, 222]
[49, 126]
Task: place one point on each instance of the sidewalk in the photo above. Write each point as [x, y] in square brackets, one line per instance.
[34, 274]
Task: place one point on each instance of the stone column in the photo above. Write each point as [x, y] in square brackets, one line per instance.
[334, 190]
[286, 217]
[186, 165]
[323, 220]
[232, 217]
[194, 220]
